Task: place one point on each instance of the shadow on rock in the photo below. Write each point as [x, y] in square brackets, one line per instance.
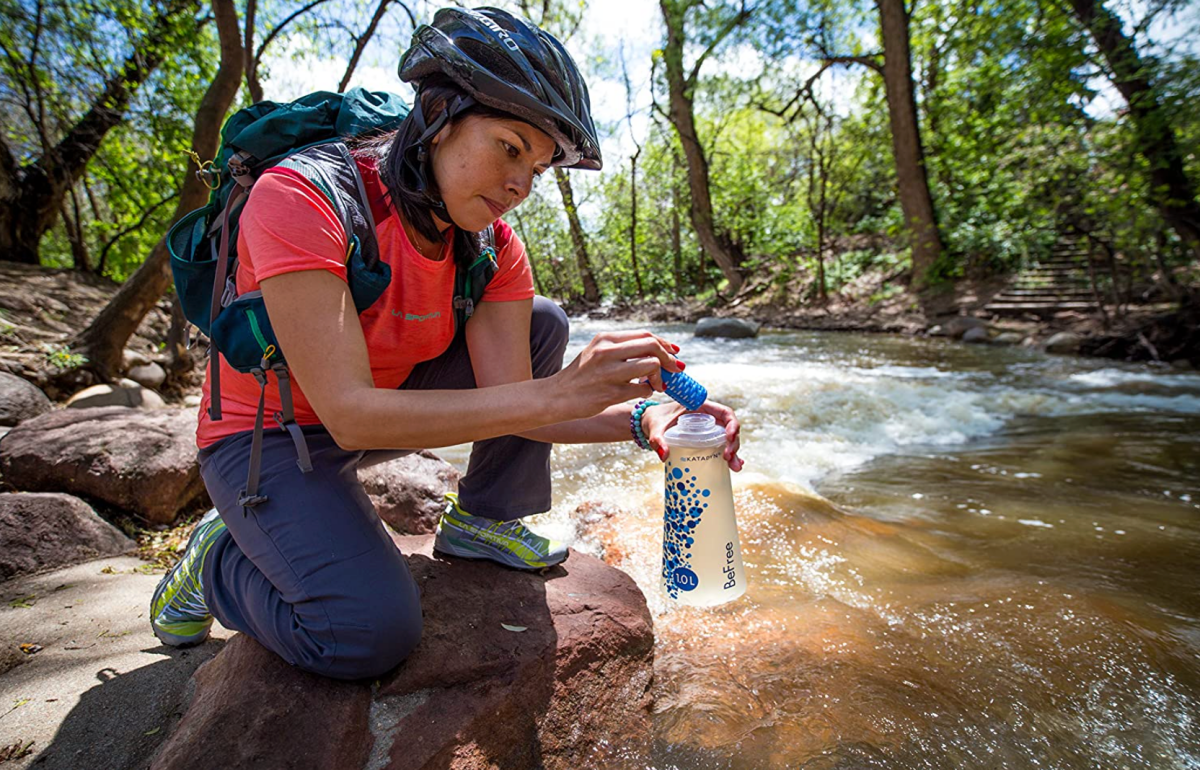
[120, 722]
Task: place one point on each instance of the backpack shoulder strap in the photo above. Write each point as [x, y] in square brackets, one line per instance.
[332, 170]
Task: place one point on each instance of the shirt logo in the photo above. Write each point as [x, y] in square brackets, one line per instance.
[415, 317]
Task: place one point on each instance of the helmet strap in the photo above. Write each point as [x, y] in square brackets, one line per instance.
[417, 156]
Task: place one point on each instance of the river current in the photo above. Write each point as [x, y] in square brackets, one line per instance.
[957, 557]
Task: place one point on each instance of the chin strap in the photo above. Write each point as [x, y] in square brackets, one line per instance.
[416, 156]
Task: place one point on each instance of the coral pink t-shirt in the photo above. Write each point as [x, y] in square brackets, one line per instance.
[288, 225]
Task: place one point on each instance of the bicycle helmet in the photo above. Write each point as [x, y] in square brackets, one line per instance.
[508, 64]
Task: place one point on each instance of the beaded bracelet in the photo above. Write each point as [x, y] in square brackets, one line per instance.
[635, 422]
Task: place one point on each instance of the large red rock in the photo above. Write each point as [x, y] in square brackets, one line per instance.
[408, 492]
[142, 461]
[47, 531]
[570, 690]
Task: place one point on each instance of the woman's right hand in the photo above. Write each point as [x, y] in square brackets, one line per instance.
[616, 367]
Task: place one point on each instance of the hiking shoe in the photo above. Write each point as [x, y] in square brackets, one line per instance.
[508, 542]
[178, 614]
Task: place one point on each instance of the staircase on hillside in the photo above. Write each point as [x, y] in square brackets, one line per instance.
[1051, 284]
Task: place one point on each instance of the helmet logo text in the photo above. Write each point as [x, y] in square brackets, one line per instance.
[505, 38]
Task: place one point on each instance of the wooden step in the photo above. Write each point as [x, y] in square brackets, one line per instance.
[1034, 294]
[1037, 307]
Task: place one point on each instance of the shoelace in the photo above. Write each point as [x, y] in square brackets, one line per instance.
[498, 528]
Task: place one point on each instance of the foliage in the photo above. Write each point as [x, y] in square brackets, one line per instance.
[1024, 138]
[62, 358]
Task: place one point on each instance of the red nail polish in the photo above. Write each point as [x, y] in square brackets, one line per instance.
[675, 346]
[661, 454]
[682, 365]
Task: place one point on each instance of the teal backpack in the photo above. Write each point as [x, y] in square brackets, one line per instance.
[306, 136]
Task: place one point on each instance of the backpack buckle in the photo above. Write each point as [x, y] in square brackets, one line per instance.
[230, 293]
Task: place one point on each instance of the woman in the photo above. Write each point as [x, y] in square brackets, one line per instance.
[309, 570]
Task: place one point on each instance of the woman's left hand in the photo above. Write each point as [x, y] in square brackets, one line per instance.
[656, 421]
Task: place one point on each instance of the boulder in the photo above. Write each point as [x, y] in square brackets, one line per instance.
[514, 669]
[131, 358]
[48, 531]
[1064, 342]
[976, 334]
[192, 400]
[408, 492]
[20, 399]
[1008, 338]
[126, 393]
[731, 328]
[957, 326]
[142, 461]
[149, 375]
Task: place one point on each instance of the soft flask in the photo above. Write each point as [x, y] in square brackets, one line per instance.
[702, 559]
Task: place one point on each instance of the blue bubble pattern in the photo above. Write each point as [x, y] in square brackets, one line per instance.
[683, 506]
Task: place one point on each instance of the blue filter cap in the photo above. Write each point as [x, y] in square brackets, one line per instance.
[684, 389]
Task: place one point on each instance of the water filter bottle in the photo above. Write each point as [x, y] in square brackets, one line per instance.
[702, 559]
[684, 389]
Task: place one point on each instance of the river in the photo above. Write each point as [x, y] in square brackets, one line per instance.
[957, 557]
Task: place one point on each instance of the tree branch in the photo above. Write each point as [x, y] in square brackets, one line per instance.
[73, 151]
[730, 26]
[361, 42]
[279, 28]
[135, 226]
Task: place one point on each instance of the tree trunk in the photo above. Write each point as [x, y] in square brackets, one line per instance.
[591, 291]
[74, 226]
[32, 196]
[676, 234]
[637, 274]
[680, 87]
[1170, 189]
[105, 339]
[915, 200]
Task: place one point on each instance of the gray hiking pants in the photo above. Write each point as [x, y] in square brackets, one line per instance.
[311, 573]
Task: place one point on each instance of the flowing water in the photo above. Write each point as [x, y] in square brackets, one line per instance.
[957, 557]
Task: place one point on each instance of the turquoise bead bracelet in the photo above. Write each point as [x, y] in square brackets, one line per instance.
[635, 422]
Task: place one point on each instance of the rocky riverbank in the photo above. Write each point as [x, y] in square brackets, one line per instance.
[1166, 333]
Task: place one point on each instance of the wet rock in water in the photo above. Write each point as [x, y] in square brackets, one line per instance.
[408, 492]
[126, 393]
[1064, 342]
[20, 399]
[1008, 338]
[729, 328]
[149, 375]
[47, 531]
[976, 334]
[142, 461]
[570, 690]
[601, 523]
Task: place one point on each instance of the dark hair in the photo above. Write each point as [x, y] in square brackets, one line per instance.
[418, 203]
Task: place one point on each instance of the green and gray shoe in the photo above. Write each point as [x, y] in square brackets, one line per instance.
[178, 614]
[507, 542]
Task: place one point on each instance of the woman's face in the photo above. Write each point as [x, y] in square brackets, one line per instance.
[485, 166]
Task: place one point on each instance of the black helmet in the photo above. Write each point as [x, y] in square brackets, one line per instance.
[510, 65]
